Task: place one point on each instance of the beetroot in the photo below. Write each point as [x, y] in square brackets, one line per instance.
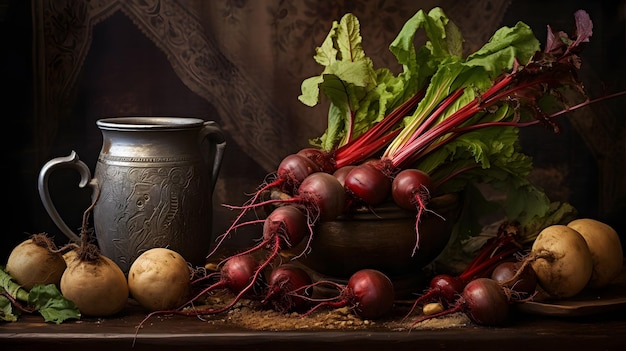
[368, 292]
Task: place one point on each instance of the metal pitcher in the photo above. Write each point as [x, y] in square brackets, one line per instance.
[153, 186]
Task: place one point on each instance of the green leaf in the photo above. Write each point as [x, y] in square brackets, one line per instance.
[336, 122]
[475, 208]
[8, 284]
[444, 40]
[326, 54]
[558, 213]
[6, 310]
[349, 40]
[505, 46]
[310, 90]
[47, 299]
[348, 76]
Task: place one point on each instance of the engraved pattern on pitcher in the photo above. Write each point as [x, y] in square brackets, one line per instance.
[152, 213]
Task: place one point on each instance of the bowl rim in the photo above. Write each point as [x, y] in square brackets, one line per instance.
[440, 205]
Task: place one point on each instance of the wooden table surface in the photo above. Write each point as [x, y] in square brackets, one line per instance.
[591, 321]
[526, 331]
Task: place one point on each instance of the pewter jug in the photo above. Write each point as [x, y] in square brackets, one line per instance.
[152, 186]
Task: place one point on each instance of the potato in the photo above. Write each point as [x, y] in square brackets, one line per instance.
[605, 247]
[562, 260]
[160, 279]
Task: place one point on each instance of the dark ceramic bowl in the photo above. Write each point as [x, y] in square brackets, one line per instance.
[382, 238]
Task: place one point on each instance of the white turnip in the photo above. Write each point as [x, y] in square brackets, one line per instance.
[160, 279]
[95, 284]
[605, 247]
[36, 261]
[562, 261]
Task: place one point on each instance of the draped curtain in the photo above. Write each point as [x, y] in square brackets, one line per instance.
[247, 58]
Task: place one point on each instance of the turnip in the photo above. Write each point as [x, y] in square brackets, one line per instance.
[562, 261]
[605, 247]
[160, 279]
[95, 283]
[36, 261]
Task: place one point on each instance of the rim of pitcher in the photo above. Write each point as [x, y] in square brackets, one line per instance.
[148, 122]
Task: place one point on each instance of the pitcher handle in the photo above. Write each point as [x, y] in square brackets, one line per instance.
[212, 132]
[70, 161]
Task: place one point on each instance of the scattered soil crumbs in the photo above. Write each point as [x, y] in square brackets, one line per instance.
[250, 315]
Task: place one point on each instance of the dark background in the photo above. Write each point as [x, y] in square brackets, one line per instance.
[568, 160]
